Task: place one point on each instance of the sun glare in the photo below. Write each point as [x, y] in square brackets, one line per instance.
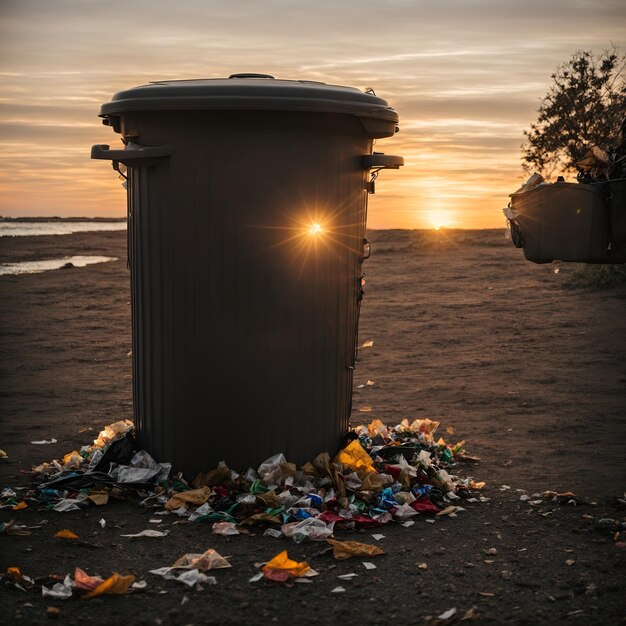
[439, 219]
[315, 228]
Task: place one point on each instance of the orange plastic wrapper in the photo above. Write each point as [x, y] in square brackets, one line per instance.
[114, 585]
[376, 427]
[19, 506]
[346, 549]
[285, 567]
[195, 497]
[83, 580]
[355, 457]
[66, 534]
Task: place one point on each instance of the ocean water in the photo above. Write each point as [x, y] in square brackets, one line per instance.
[34, 229]
[36, 267]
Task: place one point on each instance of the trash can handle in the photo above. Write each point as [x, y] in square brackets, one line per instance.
[250, 75]
[381, 161]
[132, 155]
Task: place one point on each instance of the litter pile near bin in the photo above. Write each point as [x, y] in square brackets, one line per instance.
[382, 474]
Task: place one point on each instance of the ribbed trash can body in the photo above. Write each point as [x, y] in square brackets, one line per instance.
[246, 239]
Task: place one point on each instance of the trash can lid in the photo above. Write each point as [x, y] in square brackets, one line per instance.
[250, 91]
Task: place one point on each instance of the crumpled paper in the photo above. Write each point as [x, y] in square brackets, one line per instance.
[346, 549]
[193, 496]
[208, 560]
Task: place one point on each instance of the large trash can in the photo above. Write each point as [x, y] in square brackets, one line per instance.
[247, 203]
[562, 221]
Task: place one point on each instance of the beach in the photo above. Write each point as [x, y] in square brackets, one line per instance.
[530, 373]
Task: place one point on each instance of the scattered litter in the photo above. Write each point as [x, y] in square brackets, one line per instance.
[208, 560]
[310, 529]
[347, 576]
[338, 590]
[11, 528]
[378, 536]
[190, 577]
[367, 344]
[44, 442]
[368, 565]
[149, 533]
[347, 549]
[282, 568]
[114, 585]
[102, 522]
[82, 580]
[447, 614]
[224, 528]
[66, 534]
[58, 591]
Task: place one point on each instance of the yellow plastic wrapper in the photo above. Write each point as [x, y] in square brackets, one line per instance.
[355, 457]
[346, 549]
[114, 585]
[282, 562]
[195, 497]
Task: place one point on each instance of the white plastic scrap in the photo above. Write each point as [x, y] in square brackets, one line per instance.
[368, 565]
[149, 533]
[378, 536]
[68, 504]
[272, 532]
[188, 577]
[447, 614]
[404, 511]
[59, 591]
[44, 442]
[102, 522]
[310, 529]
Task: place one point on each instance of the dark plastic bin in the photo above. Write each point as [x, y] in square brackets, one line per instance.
[247, 205]
[617, 210]
[563, 221]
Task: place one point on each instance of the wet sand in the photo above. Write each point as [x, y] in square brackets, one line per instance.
[530, 374]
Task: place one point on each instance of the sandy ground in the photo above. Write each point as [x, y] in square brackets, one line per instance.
[530, 374]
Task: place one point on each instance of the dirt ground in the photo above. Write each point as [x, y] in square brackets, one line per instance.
[531, 374]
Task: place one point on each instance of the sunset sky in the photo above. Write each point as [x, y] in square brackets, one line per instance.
[465, 76]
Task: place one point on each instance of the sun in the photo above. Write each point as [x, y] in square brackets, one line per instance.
[439, 219]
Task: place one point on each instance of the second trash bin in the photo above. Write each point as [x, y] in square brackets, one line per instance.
[247, 205]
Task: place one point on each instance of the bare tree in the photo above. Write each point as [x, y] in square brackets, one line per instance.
[583, 108]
